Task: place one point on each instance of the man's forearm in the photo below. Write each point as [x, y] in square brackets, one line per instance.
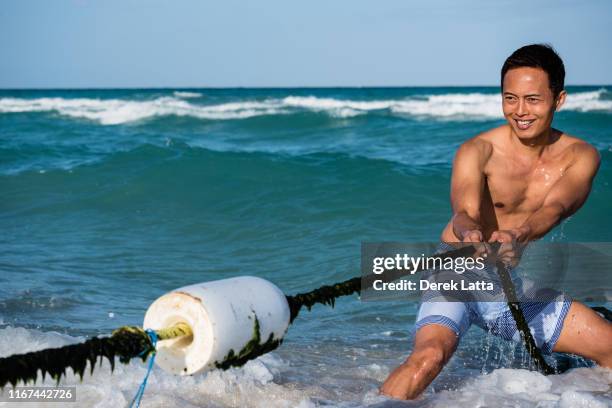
[463, 223]
[540, 223]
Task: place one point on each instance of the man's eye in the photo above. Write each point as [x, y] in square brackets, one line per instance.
[509, 98]
[532, 100]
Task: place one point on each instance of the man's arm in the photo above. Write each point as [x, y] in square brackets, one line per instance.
[566, 196]
[467, 185]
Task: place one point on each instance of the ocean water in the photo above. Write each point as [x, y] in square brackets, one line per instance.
[111, 198]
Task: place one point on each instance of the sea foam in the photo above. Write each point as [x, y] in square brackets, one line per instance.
[581, 387]
[254, 385]
[118, 111]
[264, 383]
[455, 106]
[184, 94]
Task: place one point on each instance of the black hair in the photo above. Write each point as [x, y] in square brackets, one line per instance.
[541, 56]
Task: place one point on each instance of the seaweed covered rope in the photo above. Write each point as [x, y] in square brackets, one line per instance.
[327, 295]
[521, 322]
[134, 342]
[126, 343]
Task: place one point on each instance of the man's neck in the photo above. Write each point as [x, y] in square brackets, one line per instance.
[534, 147]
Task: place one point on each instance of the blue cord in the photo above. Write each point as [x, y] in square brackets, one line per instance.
[141, 389]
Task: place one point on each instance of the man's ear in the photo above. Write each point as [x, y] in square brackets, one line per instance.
[560, 100]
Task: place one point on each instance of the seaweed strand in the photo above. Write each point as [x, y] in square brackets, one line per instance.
[126, 343]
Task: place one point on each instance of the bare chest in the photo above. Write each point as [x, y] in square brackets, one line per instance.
[517, 187]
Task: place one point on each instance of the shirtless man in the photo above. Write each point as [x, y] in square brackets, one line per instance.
[511, 185]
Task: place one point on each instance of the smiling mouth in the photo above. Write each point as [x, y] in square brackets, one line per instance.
[524, 124]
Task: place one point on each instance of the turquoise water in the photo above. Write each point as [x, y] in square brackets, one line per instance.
[110, 198]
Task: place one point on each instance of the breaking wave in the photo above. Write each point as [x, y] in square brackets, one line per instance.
[451, 106]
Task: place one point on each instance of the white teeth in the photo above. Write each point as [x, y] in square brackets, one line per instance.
[524, 124]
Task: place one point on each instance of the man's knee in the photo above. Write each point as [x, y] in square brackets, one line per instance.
[585, 333]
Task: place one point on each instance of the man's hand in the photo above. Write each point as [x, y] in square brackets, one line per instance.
[472, 236]
[510, 248]
[476, 237]
[397, 385]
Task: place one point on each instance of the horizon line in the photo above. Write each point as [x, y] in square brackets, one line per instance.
[266, 87]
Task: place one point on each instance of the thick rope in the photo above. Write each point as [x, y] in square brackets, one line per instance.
[521, 322]
[327, 295]
[127, 342]
[130, 342]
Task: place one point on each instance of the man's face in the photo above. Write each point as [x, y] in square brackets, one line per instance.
[528, 103]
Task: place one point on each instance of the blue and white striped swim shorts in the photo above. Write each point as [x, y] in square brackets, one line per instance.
[545, 319]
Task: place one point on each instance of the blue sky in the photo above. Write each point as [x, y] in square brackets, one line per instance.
[226, 43]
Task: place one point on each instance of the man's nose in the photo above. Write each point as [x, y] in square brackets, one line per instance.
[521, 110]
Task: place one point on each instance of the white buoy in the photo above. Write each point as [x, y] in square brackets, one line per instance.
[223, 316]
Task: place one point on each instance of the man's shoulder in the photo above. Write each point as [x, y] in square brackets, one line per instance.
[481, 144]
[579, 148]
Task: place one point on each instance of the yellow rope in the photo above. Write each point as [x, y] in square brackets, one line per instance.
[178, 330]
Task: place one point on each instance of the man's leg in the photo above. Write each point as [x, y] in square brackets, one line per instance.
[587, 334]
[434, 345]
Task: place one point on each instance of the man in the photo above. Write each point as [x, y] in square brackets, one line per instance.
[511, 185]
